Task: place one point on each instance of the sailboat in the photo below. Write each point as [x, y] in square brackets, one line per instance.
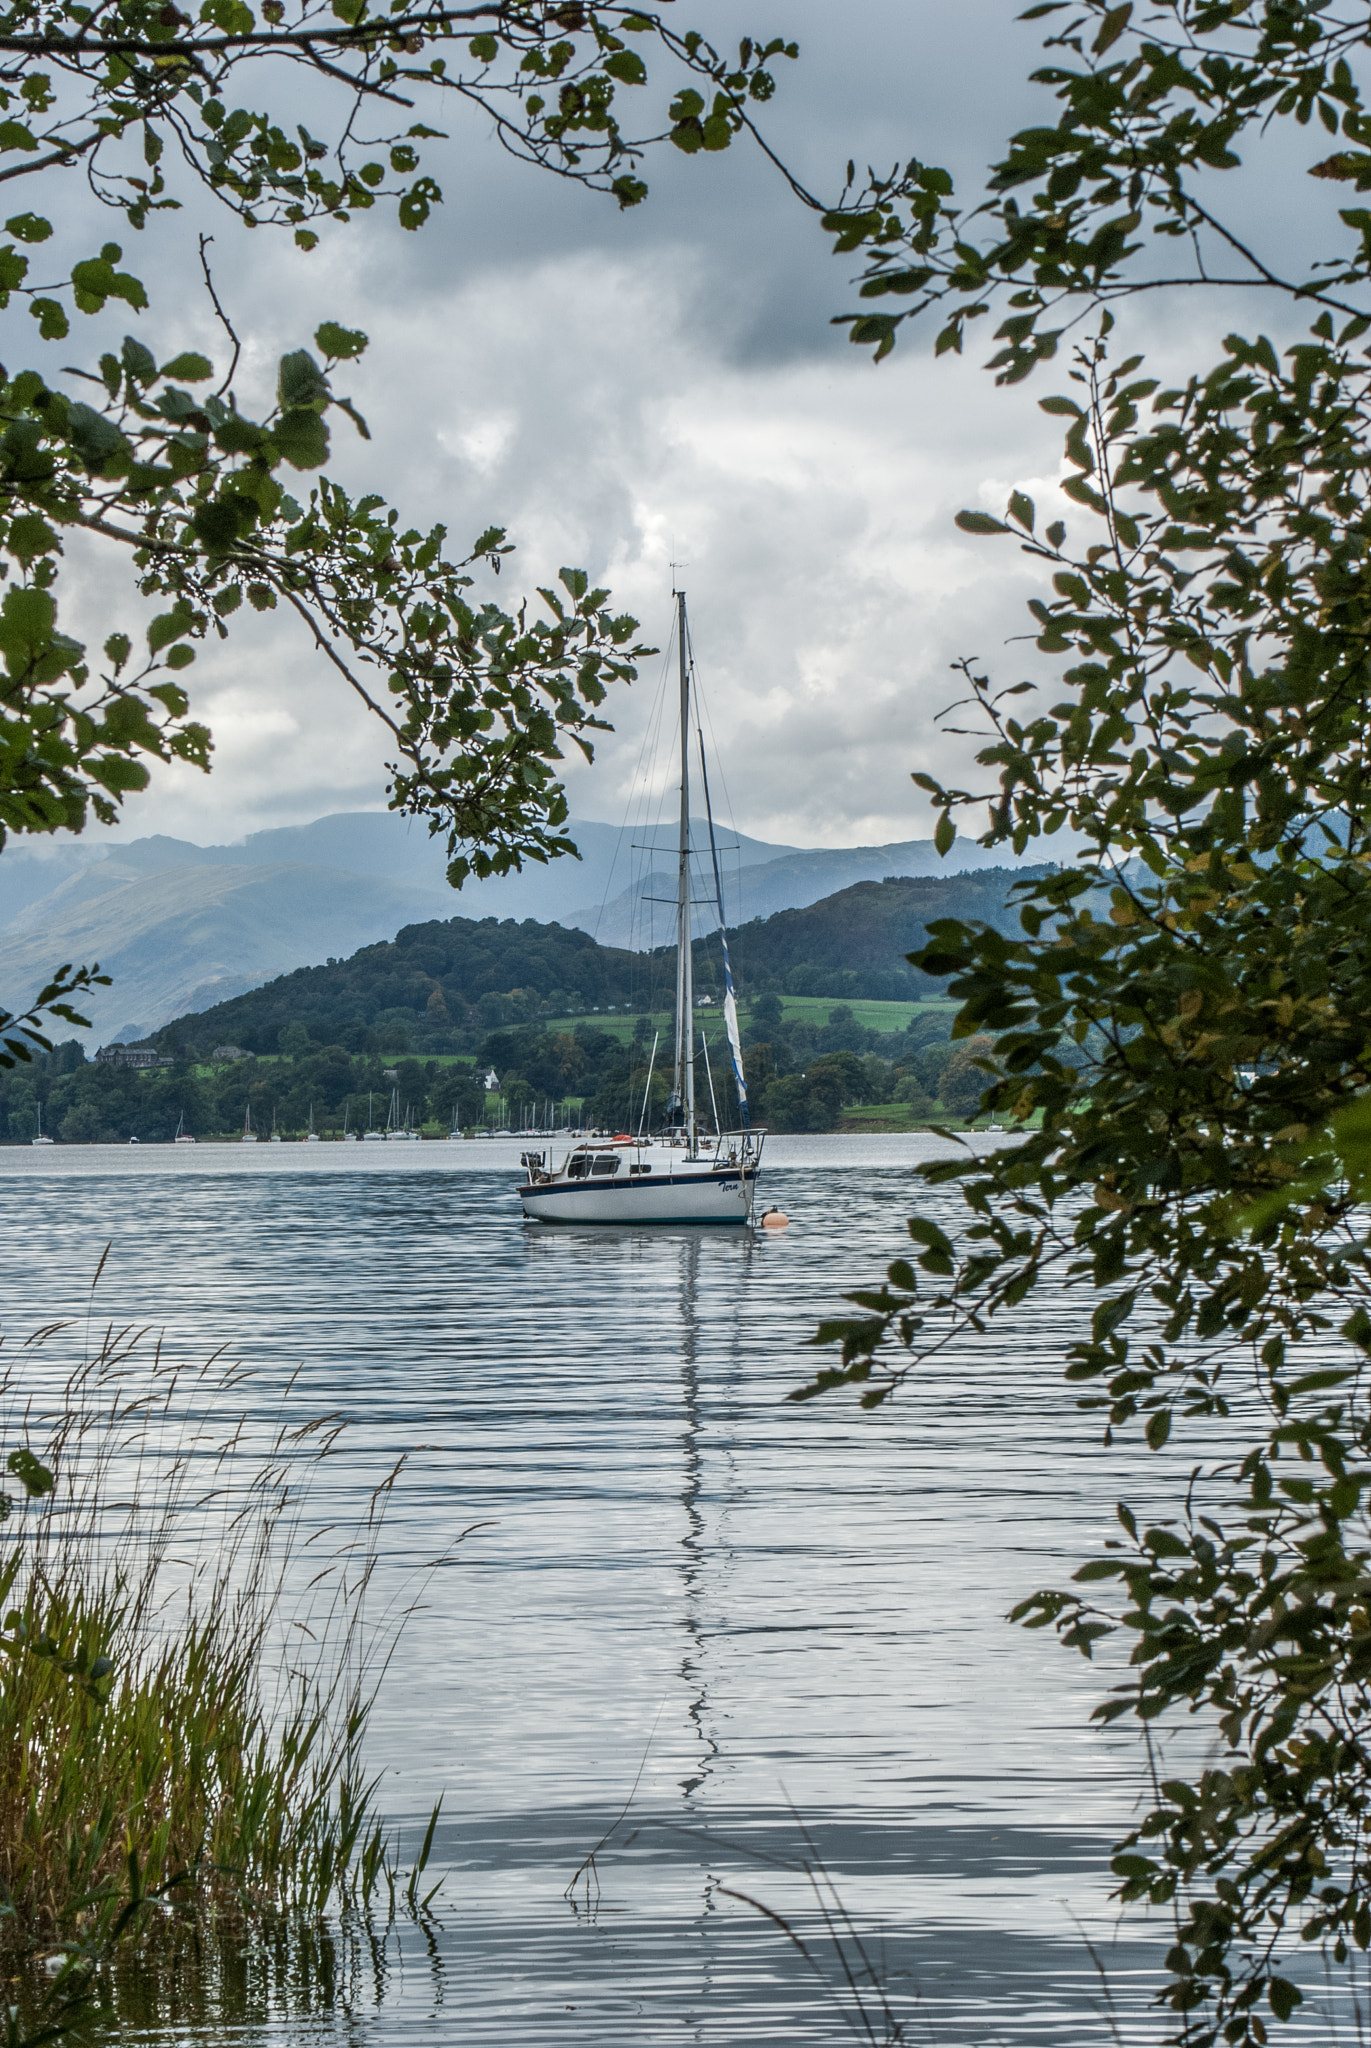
[40, 1139]
[685, 1174]
[372, 1137]
[311, 1136]
[349, 1136]
[182, 1135]
[276, 1138]
[397, 1127]
[249, 1136]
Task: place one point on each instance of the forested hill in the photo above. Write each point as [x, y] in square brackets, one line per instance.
[854, 944]
[436, 986]
[430, 986]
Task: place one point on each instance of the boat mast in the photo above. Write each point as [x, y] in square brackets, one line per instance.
[683, 1085]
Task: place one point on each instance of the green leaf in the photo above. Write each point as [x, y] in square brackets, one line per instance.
[343, 343]
[1108, 1316]
[169, 626]
[27, 620]
[1021, 509]
[189, 368]
[139, 362]
[51, 317]
[1158, 1428]
[924, 1231]
[14, 268]
[216, 523]
[35, 1478]
[94, 438]
[29, 537]
[416, 204]
[980, 522]
[944, 832]
[237, 436]
[1316, 1382]
[346, 405]
[300, 383]
[28, 227]
[1284, 1997]
[302, 439]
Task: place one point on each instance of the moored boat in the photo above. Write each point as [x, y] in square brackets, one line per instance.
[688, 1171]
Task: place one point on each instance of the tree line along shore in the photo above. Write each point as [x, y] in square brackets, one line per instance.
[809, 1067]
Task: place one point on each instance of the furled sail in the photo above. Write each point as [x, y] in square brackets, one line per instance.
[735, 1044]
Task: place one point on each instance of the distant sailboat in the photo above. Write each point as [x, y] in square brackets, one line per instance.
[182, 1137]
[372, 1137]
[311, 1135]
[40, 1139]
[349, 1137]
[249, 1136]
[276, 1138]
[686, 1174]
[396, 1127]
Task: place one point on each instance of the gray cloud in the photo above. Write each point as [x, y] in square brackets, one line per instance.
[625, 391]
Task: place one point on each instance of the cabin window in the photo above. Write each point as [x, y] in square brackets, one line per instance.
[640, 1169]
[578, 1169]
[607, 1163]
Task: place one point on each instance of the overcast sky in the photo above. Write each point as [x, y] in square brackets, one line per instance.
[625, 391]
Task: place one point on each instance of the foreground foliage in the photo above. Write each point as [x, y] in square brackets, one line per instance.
[181, 1704]
[1208, 941]
[164, 456]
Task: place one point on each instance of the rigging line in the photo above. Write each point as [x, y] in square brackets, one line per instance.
[648, 780]
[703, 712]
[709, 1075]
[647, 1091]
[730, 999]
[704, 716]
[624, 826]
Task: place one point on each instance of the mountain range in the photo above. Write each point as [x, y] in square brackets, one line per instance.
[181, 927]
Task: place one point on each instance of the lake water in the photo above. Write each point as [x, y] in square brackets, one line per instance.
[774, 1633]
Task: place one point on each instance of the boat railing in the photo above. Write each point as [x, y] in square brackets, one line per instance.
[740, 1148]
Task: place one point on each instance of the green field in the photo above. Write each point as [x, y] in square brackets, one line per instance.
[797, 1009]
[874, 1016]
[885, 1017]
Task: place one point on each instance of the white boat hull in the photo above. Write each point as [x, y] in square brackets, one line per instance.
[722, 1195]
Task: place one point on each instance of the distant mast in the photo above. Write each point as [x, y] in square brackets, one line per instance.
[683, 1081]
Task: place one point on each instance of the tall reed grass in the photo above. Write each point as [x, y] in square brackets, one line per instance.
[187, 1664]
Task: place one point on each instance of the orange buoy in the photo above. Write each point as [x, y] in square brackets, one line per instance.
[775, 1219]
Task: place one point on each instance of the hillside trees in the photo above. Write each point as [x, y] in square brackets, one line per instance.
[1188, 1064]
[215, 494]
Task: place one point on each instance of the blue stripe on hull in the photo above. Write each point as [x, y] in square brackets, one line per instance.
[609, 1222]
[635, 1186]
[729, 1180]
